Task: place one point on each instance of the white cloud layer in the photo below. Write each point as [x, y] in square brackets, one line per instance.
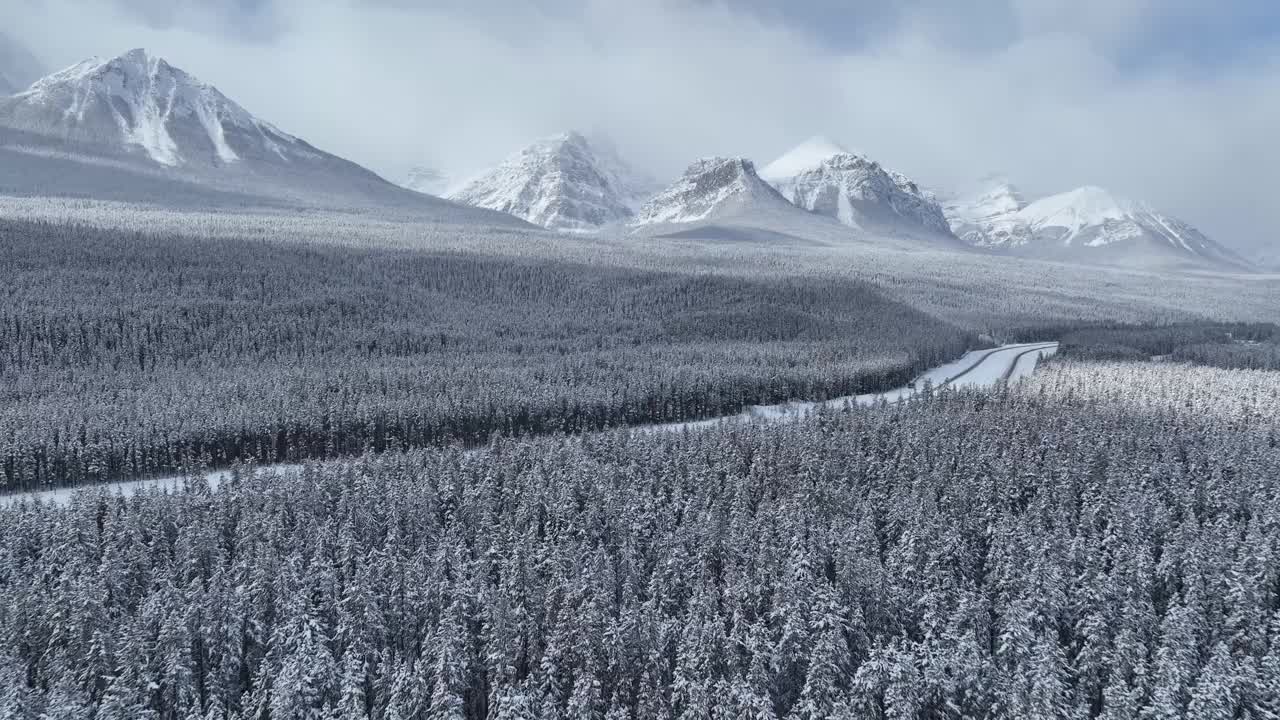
[1046, 91]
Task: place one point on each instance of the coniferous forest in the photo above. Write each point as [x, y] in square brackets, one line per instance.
[126, 354]
[479, 531]
[1075, 547]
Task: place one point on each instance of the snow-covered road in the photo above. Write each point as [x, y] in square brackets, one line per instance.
[976, 369]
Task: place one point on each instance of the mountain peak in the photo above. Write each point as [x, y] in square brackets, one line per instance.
[808, 155]
[821, 176]
[979, 215]
[138, 55]
[563, 181]
[1081, 208]
[129, 66]
[571, 136]
[134, 127]
[710, 187]
[139, 102]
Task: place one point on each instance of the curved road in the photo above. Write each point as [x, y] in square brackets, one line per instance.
[976, 369]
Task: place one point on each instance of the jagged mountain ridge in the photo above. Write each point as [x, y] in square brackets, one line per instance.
[562, 182]
[711, 188]
[1087, 223]
[987, 215]
[821, 176]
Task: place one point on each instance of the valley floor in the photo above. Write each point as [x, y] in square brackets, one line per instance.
[976, 370]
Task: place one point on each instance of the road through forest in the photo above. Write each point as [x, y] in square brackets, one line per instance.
[976, 369]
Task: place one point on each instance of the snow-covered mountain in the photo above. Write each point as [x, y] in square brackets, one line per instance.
[18, 67]
[135, 128]
[426, 180]
[711, 189]
[1092, 217]
[822, 176]
[139, 103]
[564, 182]
[987, 215]
[1088, 223]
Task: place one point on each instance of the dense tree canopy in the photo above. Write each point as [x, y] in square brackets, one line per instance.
[125, 354]
[1101, 542]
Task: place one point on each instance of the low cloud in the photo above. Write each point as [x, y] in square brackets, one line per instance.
[1055, 94]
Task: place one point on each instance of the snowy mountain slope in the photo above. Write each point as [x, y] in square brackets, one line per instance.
[711, 188]
[563, 182]
[804, 157]
[1091, 217]
[1088, 223]
[140, 103]
[134, 127]
[986, 215]
[18, 67]
[821, 176]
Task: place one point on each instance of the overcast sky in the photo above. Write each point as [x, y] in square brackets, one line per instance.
[1175, 102]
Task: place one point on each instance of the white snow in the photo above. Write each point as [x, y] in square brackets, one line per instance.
[808, 155]
[170, 483]
[986, 215]
[709, 188]
[1084, 209]
[145, 96]
[1027, 363]
[821, 176]
[564, 182]
[1087, 217]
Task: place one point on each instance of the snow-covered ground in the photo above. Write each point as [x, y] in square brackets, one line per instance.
[171, 483]
[976, 369]
[1028, 362]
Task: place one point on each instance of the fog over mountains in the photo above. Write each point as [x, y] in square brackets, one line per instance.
[1058, 99]
[137, 128]
[173, 136]
[822, 176]
[714, 188]
[18, 67]
[1087, 223]
[562, 182]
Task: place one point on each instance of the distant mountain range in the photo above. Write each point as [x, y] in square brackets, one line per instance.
[135, 128]
[1086, 224]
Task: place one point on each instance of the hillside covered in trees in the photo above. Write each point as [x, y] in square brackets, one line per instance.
[126, 354]
[1098, 542]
